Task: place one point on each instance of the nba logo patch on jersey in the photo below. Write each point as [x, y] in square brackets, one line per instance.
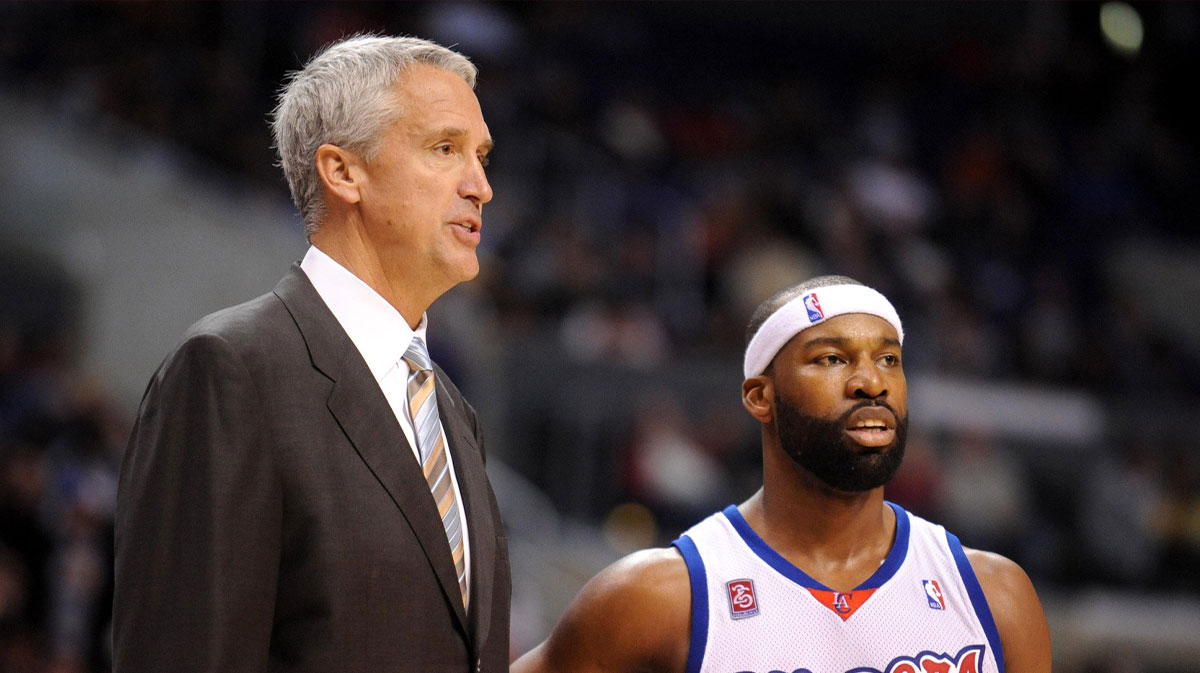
[742, 602]
[813, 305]
[933, 592]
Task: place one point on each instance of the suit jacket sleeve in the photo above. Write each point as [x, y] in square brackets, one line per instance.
[198, 506]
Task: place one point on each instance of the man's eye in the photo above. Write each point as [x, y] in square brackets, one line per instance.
[445, 148]
[890, 360]
[828, 360]
[484, 160]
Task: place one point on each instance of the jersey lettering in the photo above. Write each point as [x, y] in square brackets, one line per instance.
[966, 661]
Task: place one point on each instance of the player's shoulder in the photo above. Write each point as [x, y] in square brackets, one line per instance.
[997, 572]
[1016, 609]
[1008, 589]
[632, 616]
[651, 578]
[646, 589]
[1014, 605]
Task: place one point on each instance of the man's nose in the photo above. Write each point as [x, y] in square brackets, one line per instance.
[475, 185]
[866, 382]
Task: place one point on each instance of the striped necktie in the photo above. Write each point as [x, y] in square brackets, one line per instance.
[431, 444]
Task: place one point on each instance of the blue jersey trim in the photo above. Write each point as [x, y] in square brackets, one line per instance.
[896, 556]
[978, 600]
[886, 570]
[699, 582]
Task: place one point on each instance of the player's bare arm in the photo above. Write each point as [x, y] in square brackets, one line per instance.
[634, 617]
[1020, 620]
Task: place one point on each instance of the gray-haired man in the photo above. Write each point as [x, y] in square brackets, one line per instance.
[303, 489]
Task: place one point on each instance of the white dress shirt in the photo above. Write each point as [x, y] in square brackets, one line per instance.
[381, 336]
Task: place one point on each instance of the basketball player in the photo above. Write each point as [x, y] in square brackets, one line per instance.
[815, 573]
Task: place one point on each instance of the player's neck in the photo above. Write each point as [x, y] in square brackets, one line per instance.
[838, 539]
[825, 520]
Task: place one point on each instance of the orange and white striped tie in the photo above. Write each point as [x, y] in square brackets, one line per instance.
[431, 445]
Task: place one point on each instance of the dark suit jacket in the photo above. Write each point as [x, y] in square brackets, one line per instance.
[271, 516]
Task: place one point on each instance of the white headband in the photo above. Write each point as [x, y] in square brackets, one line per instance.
[811, 309]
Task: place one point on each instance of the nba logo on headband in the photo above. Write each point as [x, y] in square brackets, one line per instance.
[804, 311]
[815, 314]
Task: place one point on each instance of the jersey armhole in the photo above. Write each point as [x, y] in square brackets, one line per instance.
[978, 599]
[699, 584]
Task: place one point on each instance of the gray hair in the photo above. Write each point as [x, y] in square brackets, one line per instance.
[344, 96]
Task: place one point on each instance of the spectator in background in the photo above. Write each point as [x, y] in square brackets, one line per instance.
[919, 484]
[80, 499]
[16, 651]
[1180, 518]
[27, 542]
[984, 492]
[669, 469]
[57, 480]
[1122, 500]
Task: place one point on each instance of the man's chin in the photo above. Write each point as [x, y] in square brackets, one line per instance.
[865, 450]
[871, 467]
[465, 269]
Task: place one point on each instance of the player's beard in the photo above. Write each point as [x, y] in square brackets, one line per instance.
[821, 446]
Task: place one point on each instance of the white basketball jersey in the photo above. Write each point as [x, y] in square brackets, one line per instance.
[923, 611]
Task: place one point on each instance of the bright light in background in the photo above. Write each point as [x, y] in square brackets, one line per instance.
[1122, 28]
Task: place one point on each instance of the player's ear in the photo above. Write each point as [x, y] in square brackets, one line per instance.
[340, 172]
[758, 396]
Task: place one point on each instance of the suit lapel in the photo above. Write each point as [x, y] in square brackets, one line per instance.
[473, 487]
[360, 408]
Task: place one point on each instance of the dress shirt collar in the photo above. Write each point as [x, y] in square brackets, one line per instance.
[377, 329]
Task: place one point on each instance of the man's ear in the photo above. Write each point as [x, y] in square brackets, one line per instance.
[340, 172]
[758, 396]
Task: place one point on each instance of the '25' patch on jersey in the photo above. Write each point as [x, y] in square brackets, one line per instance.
[742, 601]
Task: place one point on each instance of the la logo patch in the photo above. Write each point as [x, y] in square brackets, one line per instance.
[742, 601]
[844, 603]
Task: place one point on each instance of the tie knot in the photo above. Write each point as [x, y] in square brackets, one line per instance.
[417, 355]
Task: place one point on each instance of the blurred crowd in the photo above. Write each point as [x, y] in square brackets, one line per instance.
[662, 168]
[60, 439]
